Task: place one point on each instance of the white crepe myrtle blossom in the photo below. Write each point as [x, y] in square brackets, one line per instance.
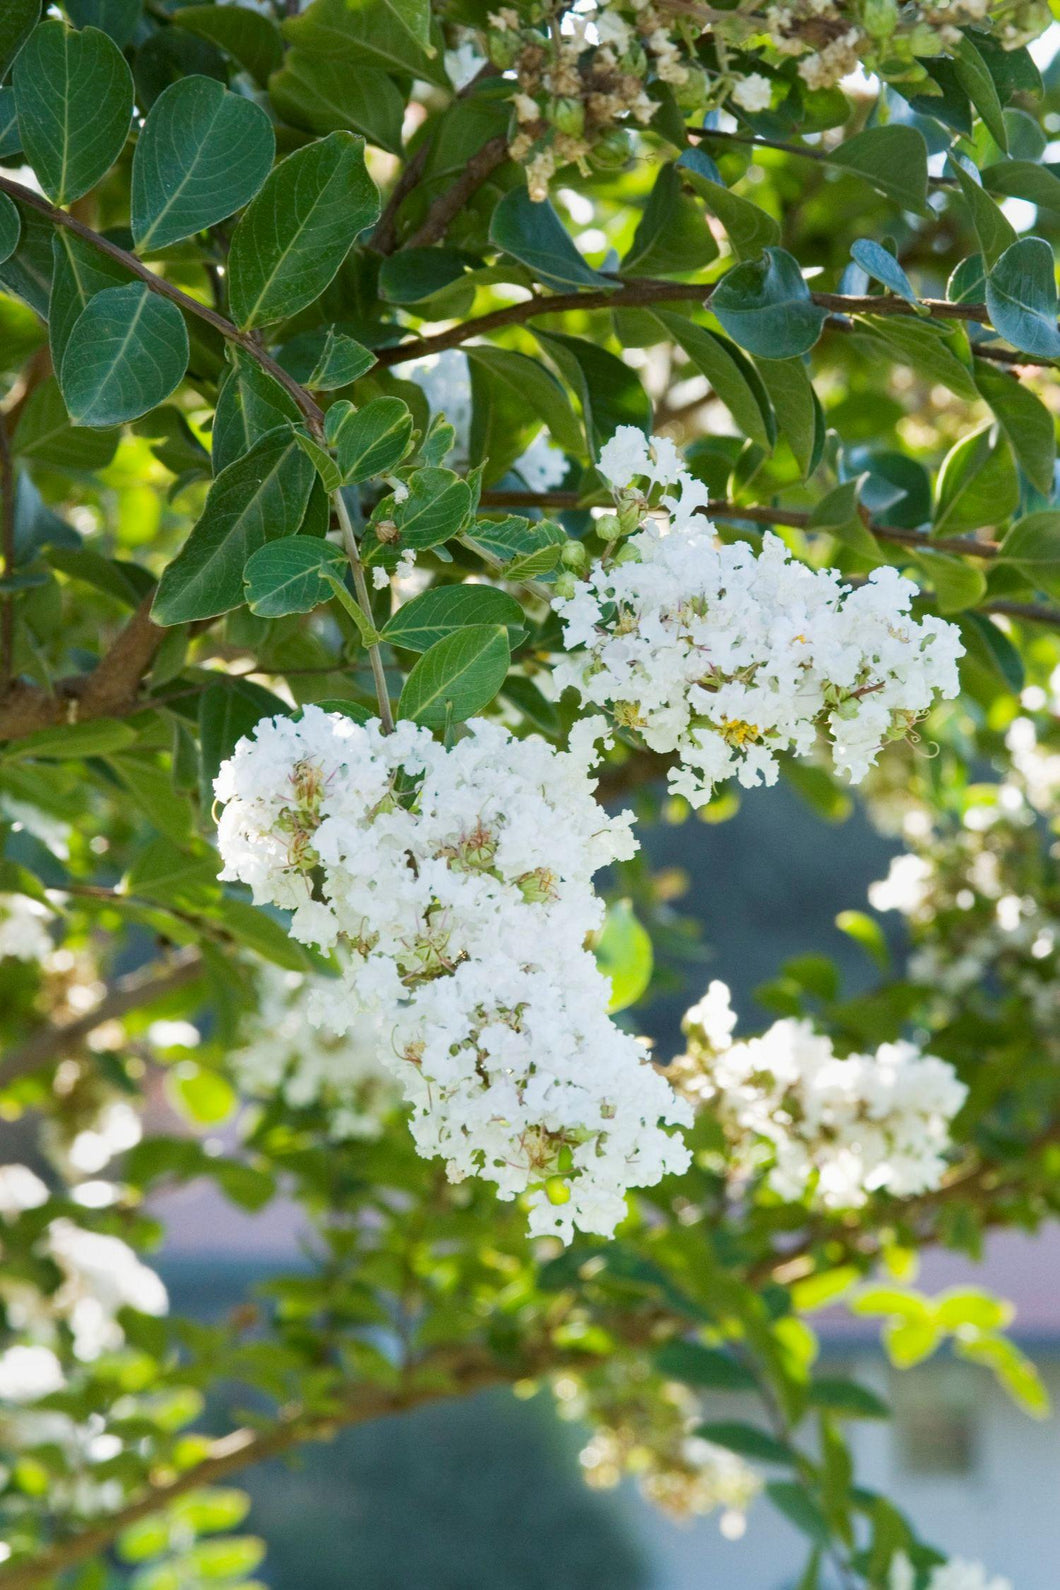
[753, 93]
[455, 888]
[284, 1054]
[833, 1129]
[727, 656]
[23, 928]
[957, 1574]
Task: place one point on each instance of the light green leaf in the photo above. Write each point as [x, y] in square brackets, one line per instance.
[261, 497]
[297, 232]
[74, 96]
[533, 234]
[1013, 1369]
[957, 583]
[893, 158]
[977, 484]
[445, 609]
[1033, 545]
[974, 77]
[457, 676]
[248, 37]
[288, 576]
[624, 955]
[1025, 420]
[1021, 297]
[126, 352]
[766, 307]
[797, 408]
[323, 95]
[201, 155]
[915, 343]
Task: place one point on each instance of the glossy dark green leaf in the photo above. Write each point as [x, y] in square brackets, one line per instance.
[288, 576]
[228, 710]
[118, 18]
[371, 440]
[609, 391]
[893, 159]
[413, 274]
[847, 1398]
[1021, 297]
[261, 497]
[250, 404]
[323, 95]
[10, 227]
[1024, 179]
[17, 21]
[731, 374]
[444, 609]
[527, 381]
[457, 676]
[45, 435]
[1025, 420]
[393, 35]
[325, 360]
[74, 96]
[697, 1365]
[766, 307]
[992, 227]
[750, 229]
[248, 37]
[1033, 544]
[10, 139]
[79, 271]
[126, 352]
[974, 77]
[673, 236]
[202, 154]
[797, 409]
[533, 234]
[435, 509]
[28, 271]
[297, 232]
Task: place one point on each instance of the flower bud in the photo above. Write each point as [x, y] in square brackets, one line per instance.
[565, 586]
[692, 94]
[612, 150]
[574, 556]
[567, 116]
[503, 48]
[608, 527]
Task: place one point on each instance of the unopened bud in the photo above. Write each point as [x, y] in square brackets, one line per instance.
[611, 151]
[608, 527]
[565, 585]
[567, 116]
[574, 556]
[693, 92]
[503, 48]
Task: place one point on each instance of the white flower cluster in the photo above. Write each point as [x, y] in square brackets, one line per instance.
[957, 1574]
[834, 1129]
[728, 657]
[454, 886]
[23, 928]
[285, 1055]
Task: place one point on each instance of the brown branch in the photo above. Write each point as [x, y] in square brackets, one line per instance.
[384, 239]
[7, 552]
[138, 988]
[157, 284]
[448, 205]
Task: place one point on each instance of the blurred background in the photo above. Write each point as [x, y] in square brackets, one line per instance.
[487, 1494]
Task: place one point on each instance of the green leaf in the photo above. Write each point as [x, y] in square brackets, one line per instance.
[672, 236]
[992, 227]
[79, 271]
[837, 513]
[74, 96]
[261, 497]
[10, 142]
[413, 274]
[893, 158]
[800, 1509]
[977, 484]
[731, 374]
[326, 360]
[457, 676]
[910, 1341]
[748, 1441]
[369, 441]
[526, 381]
[72, 740]
[202, 154]
[118, 18]
[750, 229]
[287, 576]
[974, 77]
[697, 1365]
[1033, 545]
[435, 509]
[394, 35]
[323, 95]
[1021, 297]
[881, 265]
[45, 435]
[531, 548]
[444, 609]
[624, 955]
[228, 710]
[958, 584]
[991, 647]
[10, 227]
[766, 306]
[17, 21]
[608, 390]
[126, 352]
[250, 404]
[798, 411]
[533, 234]
[323, 463]
[1013, 1369]
[1025, 420]
[917, 344]
[291, 241]
[846, 1398]
[249, 38]
[1023, 179]
[201, 1096]
[28, 272]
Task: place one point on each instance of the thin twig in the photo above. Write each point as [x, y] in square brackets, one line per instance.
[364, 602]
[448, 205]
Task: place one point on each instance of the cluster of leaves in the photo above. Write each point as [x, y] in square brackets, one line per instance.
[223, 237]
